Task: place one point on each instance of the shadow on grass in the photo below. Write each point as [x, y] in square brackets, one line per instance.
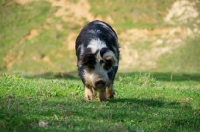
[144, 102]
[73, 75]
[167, 76]
[76, 115]
[162, 76]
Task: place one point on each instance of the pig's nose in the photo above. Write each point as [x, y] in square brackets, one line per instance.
[100, 84]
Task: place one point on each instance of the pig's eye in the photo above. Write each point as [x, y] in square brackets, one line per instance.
[102, 62]
[108, 64]
[91, 64]
[89, 61]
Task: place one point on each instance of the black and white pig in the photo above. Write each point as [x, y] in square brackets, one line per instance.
[97, 52]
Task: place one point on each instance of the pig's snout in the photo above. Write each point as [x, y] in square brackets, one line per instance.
[100, 84]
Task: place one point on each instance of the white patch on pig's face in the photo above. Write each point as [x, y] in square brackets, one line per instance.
[96, 44]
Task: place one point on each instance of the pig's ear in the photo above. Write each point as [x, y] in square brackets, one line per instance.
[110, 58]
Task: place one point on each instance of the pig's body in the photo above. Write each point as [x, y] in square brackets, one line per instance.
[97, 51]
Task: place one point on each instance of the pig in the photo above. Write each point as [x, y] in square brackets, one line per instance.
[97, 51]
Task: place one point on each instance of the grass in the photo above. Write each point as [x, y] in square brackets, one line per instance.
[143, 102]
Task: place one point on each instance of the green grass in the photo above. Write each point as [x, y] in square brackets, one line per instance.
[143, 102]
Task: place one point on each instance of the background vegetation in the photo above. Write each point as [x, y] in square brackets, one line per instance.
[38, 36]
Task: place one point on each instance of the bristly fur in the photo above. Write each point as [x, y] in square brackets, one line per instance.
[97, 52]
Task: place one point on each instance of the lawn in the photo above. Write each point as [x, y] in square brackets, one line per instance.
[143, 102]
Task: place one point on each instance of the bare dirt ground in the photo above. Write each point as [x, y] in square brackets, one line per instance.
[160, 41]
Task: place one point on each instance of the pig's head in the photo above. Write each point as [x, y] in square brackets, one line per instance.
[98, 67]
